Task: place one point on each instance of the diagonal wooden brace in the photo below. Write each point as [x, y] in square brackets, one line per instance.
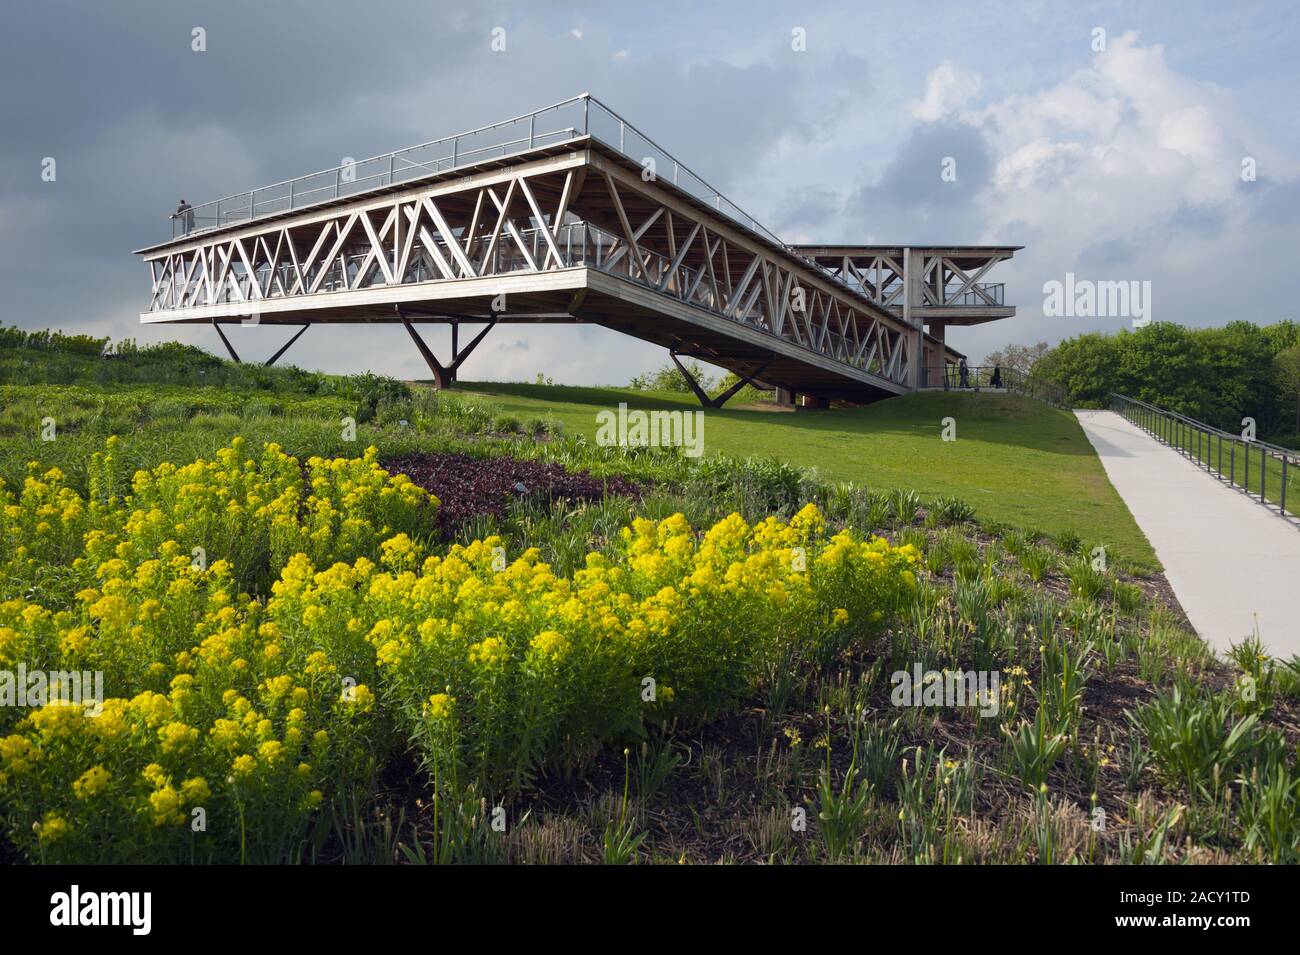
[725, 396]
[270, 361]
[226, 341]
[444, 375]
[285, 347]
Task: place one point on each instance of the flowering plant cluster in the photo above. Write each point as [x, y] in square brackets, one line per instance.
[231, 718]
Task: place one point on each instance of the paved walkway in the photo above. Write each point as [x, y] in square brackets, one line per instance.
[1232, 563]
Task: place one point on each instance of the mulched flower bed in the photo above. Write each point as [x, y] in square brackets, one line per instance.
[468, 486]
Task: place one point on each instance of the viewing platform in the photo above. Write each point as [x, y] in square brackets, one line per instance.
[565, 214]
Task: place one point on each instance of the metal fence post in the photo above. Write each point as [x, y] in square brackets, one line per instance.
[1283, 495]
[1263, 471]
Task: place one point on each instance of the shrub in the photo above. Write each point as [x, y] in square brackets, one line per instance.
[229, 722]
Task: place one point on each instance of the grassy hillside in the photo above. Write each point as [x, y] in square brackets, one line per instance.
[348, 655]
[1018, 461]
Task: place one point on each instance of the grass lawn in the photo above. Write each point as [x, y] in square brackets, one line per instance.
[1017, 461]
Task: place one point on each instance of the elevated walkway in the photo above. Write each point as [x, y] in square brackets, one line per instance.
[567, 214]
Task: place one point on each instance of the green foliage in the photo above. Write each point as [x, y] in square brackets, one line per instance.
[1216, 375]
[668, 378]
[1020, 359]
[13, 338]
[1193, 738]
[1286, 373]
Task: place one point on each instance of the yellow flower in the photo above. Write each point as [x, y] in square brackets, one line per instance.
[440, 706]
[551, 643]
[490, 652]
[167, 806]
[18, 753]
[53, 828]
[272, 752]
[195, 790]
[92, 782]
[177, 737]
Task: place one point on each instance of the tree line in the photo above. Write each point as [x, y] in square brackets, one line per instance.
[1216, 375]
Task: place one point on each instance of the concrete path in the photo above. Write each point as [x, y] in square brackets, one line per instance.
[1232, 563]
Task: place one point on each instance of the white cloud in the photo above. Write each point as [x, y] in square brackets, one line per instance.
[947, 88]
[1129, 169]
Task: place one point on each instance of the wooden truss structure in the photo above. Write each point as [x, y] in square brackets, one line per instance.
[945, 282]
[573, 233]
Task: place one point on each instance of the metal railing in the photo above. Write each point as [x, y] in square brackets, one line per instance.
[1261, 470]
[570, 119]
[952, 377]
[987, 294]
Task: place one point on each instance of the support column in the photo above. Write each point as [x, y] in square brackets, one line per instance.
[914, 296]
[270, 361]
[934, 367]
[784, 398]
[285, 347]
[226, 341]
[723, 398]
[444, 375]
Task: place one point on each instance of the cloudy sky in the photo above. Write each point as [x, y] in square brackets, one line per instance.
[1122, 164]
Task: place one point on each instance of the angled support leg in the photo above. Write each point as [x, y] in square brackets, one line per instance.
[444, 375]
[725, 396]
[226, 341]
[460, 356]
[274, 358]
[441, 375]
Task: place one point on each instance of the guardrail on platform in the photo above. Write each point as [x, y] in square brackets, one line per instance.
[991, 378]
[1261, 470]
[580, 116]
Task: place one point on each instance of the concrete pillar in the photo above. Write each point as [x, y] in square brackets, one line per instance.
[784, 398]
[939, 331]
[935, 362]
[913, 294]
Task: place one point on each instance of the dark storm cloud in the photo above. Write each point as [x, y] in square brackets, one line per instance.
[136, 120]
[1112, 253]
[809, 208]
